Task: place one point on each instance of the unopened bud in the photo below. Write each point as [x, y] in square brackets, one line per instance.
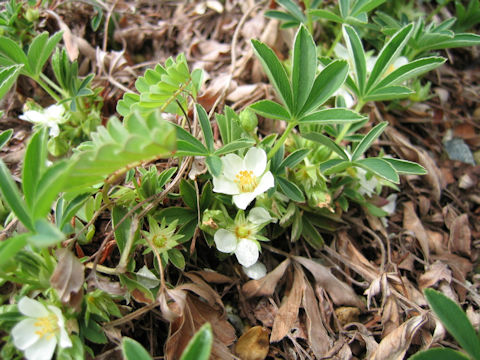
[248, 120]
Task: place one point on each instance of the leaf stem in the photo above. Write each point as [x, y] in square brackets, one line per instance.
[335, 42]
[346, 127]
[282, 139]
[53, 85]
[47, 88]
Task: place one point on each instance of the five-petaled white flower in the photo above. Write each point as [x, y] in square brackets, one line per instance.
[49, 117]
[245, 178]
[38, 334]
[241, 238]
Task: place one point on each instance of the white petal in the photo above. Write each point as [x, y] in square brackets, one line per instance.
[32, 308]
[232, 165]
[400, 61]
[371, 63]
[55, 112]
[58, 314]
[341, 51]
[225, 241]
[33, 116]
[256, 161]
[258, 216]
[256, 271]
[43, 349]
[391, 205]
[224, 186]
[247, 252]
[65, 341]
[266, 183]
[243, 200]
[54, 129]
[24, 333]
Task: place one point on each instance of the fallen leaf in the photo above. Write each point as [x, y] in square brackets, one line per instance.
[68, 278]
[412, 222]
[390, 315]
[288, 312]
[266, 285]
[395, 345]
[341, 293]
[460, 236]
[253, 344]
[318, 338]
[347, 314]
[438, 271]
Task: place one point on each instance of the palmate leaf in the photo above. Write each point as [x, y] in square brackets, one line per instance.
[271, 110]
[357, 53]
[118, 147]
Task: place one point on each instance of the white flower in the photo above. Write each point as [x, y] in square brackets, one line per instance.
[38, 334]
[245, 179]
[241, 239]
[49, 117]
[367, 186]
[255, 271]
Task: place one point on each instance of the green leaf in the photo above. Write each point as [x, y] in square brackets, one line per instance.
[304, 67]
[439, 354]
[365, 6]
[48, 187]
[12, 54]
[388, 93]
[293, 9]
[290, 189]
[8, 76]
[455, 321]
[325, 85]
[199, 347]
[69, 212]
[132, 350]
[206, 127]
[388, 54]
[188, 193]
[188, 145]
[5, 137]
[11, 246]
[46, 234]
[367, 141]
[122, 231]
[12, 196]
[214, 164]
[275, 72]
[177, 258]
[270, 110]
[406, 167]
[326, 141]
[34, 164]
[379, 167]
[356, 52]
[332, 116]
[294, 158]
[411, 70]
[334, 166]
[311, 234]
[280, 15]
[327, 15]
[234, 146]
[40, 50]
[459, 40]
[344, 6]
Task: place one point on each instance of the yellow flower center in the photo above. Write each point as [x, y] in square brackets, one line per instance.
[47, 326]
[246, 181]
[242, 232]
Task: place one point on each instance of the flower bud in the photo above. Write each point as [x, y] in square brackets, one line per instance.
[248, 120]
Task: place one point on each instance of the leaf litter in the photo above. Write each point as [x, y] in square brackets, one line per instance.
[366, 301]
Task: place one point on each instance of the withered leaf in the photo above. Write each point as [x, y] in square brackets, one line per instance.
[68, 278]
[438, 271]
[460, 235]
[318, 338]
[288, 312]
[341, 293]
[412, 222]
[395, 345]
[253, 344]
[266, 285]
[390, 315]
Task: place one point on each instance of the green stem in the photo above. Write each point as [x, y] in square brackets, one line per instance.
[53, 85]
[346, 127]
[335, 42]
[282, 139]
[436, 11]
[47, 88]
[309, 17]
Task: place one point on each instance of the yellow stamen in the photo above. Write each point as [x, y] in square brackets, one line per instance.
[246, 181]
[47, 326]
[242, 232]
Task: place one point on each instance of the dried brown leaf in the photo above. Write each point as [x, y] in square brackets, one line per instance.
[266, 285]
[412, 222]
[390, 315]
[253, 344]
[438, 271]
[460, 236]
[213, 277]
[288, 312]
[68, 278]
[341, 293]
[359, 262]
[318, 338]
[395, 345]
